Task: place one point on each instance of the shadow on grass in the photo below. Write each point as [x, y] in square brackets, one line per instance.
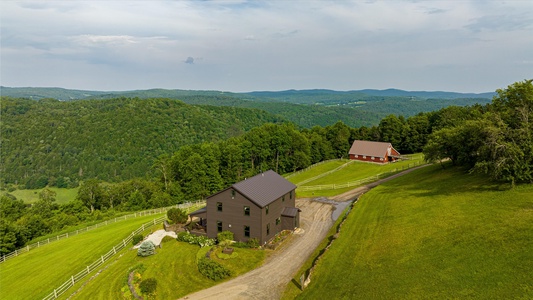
[296, 283]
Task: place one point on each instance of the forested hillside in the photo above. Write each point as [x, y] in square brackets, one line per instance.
[58, 143]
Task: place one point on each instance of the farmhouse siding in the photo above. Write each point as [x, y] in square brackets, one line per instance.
[232, 215]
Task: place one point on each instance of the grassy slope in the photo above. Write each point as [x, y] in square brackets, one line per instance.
[45, 268]
[352, 172]
[31, 196]
[432, 234]
[173, 266]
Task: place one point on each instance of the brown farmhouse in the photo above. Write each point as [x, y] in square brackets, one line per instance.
[258, 207]
[379, 152]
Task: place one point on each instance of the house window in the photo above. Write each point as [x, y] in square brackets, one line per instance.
[219, 226]
[283, 198]
[290, 194]
[268, 228]
[278, 220]
[219, 206]
[247, 210]
[232, 194]
[266, 209]
[246, 231]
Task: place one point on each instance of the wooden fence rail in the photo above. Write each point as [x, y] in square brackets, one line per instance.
[38, 244]
[189, 206]
[335, 186]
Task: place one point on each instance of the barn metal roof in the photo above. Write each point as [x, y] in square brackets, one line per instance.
[264, 188]
[369, 148]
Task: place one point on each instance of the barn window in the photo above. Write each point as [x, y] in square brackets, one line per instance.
[381, 159]
[219, 206]
[268, 228]
[372, 158]
[364, 156]
[246, 231]
[356, 156]
[278, 220]
[219, 226]
[247, 210]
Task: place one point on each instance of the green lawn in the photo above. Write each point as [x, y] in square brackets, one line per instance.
[173, 266]
[30, 196]
[352, 172]
[317, 170]
[43, 269]
[432, 234]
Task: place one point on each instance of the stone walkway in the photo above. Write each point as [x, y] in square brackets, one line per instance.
[157, 236]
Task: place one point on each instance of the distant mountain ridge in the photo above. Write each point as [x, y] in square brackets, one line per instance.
[63, 94]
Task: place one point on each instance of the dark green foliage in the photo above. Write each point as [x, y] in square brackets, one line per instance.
[225, 235]
[253, 243]
[112, 140]
[212, 269]
[148, 286]
[496, 140]
[182, 236]
[137, 239]
[177, 216]
[147, 248]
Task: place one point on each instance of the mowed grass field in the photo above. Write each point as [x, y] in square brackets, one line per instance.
[354, 171]
[34, 274]
[63, 196]
[173, 266]
[431, 234]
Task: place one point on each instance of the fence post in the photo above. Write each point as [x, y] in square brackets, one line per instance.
[72, 279]
[67, 234]
[28, 248]
[124, 243]
[114, 250]
[55, 294]
[102, 259]
[16, 252]
[88, 270]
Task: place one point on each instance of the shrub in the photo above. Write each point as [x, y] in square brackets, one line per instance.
[212, 269]
[240, 245]
[201, 241]
[253, 243]
[148, 286]
[137, 239]
[147, 248]
[177, 216]
[225, 235]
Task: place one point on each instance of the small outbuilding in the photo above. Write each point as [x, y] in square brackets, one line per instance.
[378, 152]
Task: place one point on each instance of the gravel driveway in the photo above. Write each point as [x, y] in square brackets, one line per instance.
[269, 280]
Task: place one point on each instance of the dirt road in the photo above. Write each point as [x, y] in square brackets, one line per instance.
[269, 280]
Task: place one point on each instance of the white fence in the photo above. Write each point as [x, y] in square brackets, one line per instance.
[353, 183]
[310, 167]
[77, 277]
[73, 233]
[324, 174]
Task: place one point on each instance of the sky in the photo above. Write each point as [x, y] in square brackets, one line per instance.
[242, 46]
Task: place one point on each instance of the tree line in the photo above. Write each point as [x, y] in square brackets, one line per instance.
[495, 139]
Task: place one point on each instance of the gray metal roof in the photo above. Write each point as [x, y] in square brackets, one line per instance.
[369, 148]
[200, 211]
[264, 188]
[290, 212]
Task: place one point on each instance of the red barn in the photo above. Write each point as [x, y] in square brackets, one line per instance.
[379, 152]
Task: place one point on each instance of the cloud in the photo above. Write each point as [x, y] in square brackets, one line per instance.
[189, 60]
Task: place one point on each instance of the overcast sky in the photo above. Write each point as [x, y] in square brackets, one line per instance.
[462, 46]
